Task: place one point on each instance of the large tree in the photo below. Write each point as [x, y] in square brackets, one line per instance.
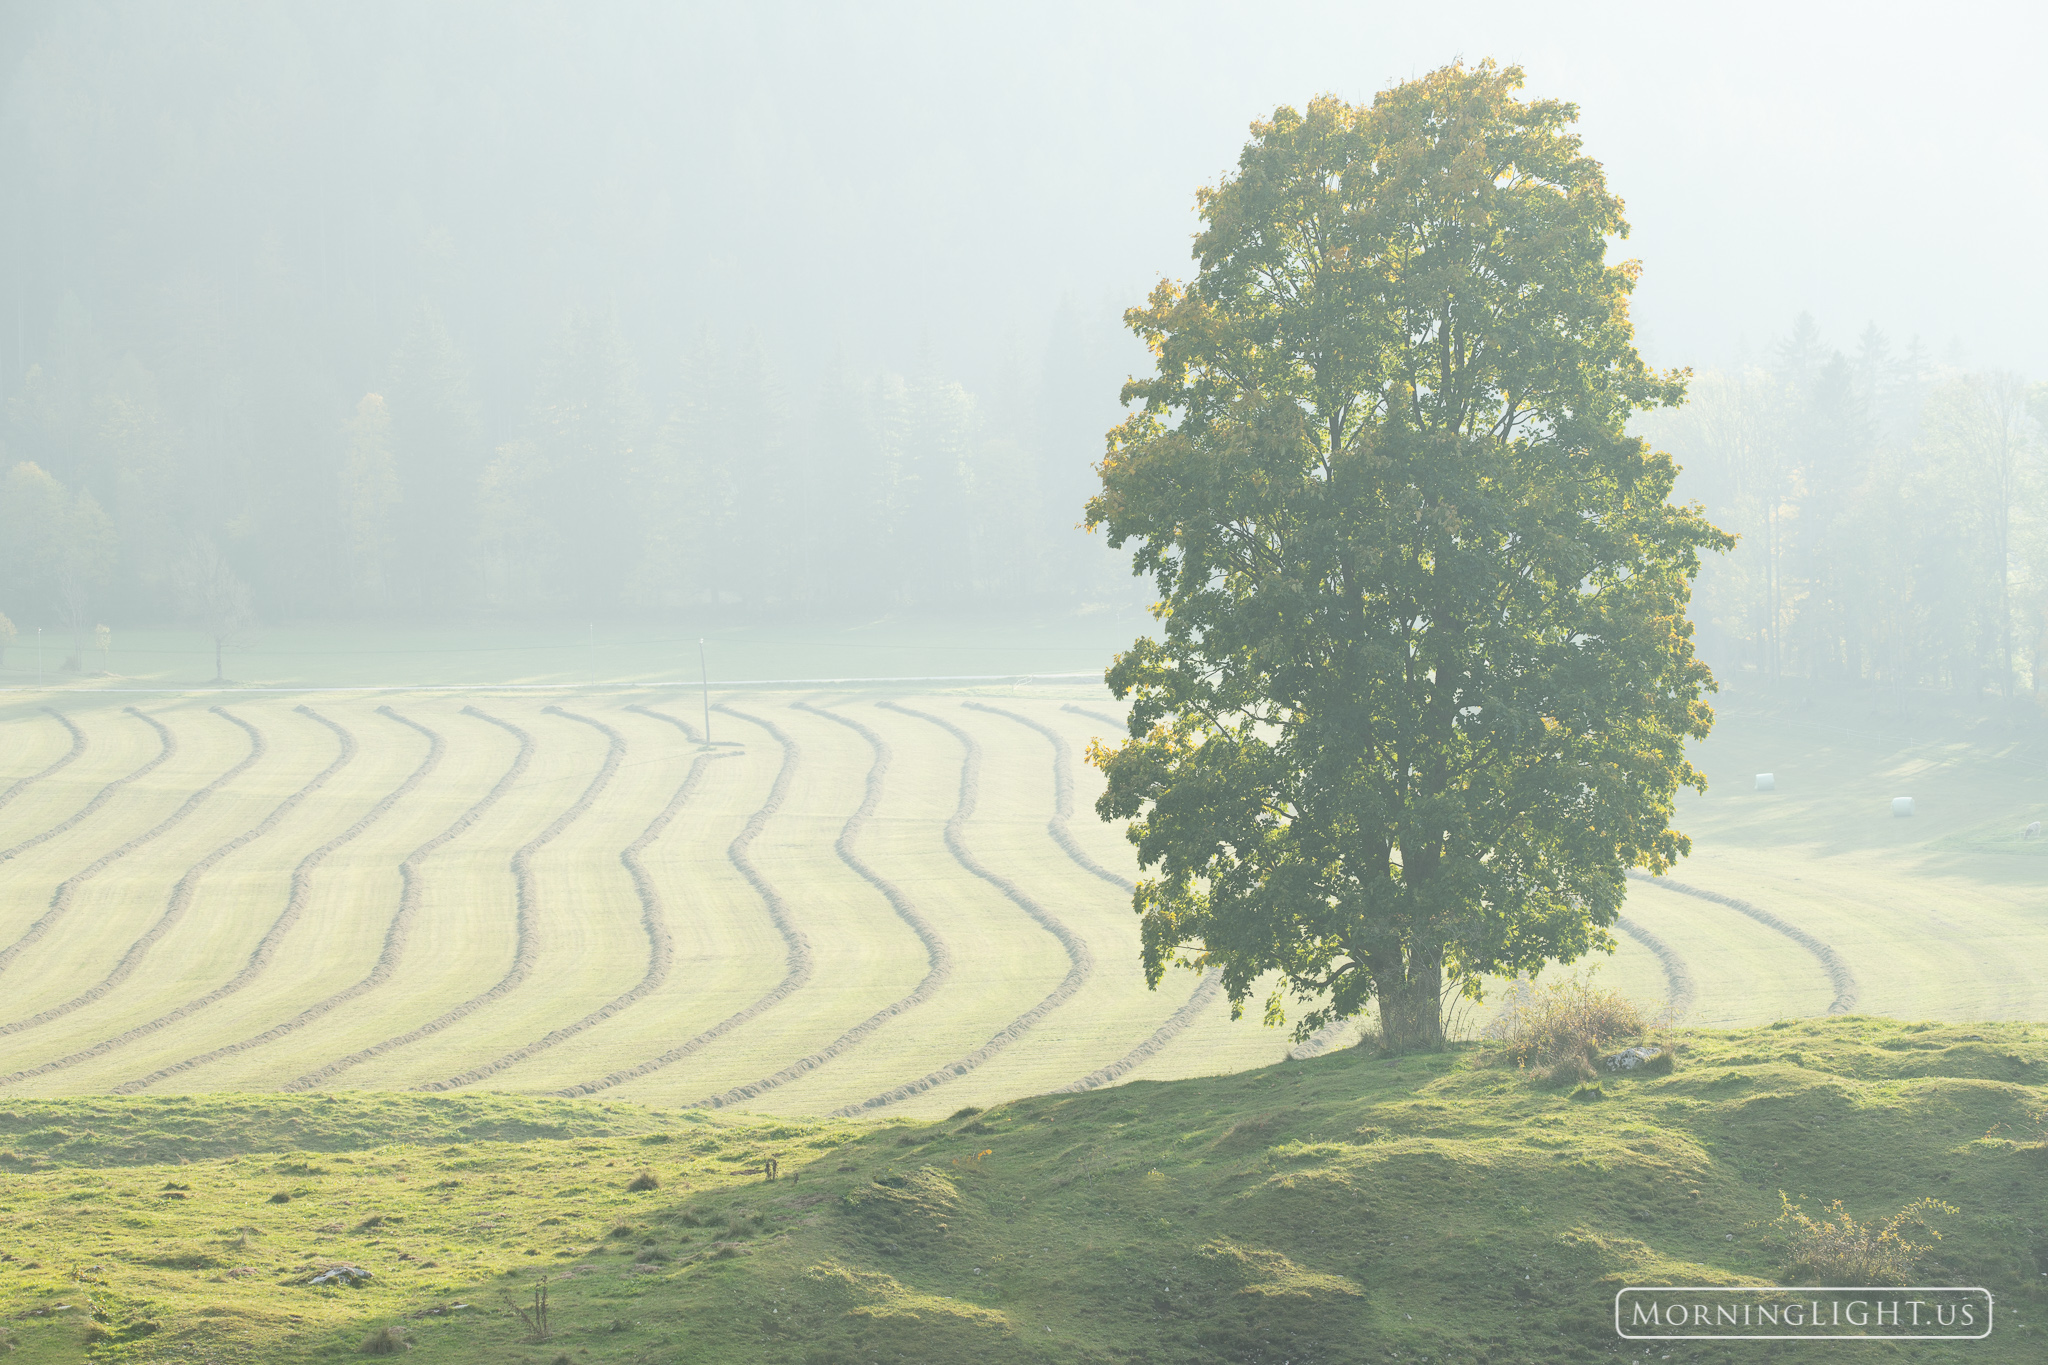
[1423, 677]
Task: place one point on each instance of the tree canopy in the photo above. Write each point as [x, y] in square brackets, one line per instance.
[1424, 676]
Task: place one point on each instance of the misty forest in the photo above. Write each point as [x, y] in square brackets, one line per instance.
[923, 683]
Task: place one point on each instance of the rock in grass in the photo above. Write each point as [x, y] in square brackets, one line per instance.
[347, 1276]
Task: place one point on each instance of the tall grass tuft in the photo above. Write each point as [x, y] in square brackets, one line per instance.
[1563, 1024]
[645, 1180]
[385, 1341]
[1840, 1250]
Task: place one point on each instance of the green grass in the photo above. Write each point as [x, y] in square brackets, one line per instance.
[1335, 1210]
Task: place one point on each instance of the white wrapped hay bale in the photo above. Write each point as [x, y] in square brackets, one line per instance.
[1902, 806]
[1766, 782]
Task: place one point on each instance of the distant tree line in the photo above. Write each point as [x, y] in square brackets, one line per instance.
[140, 487]
[1893, 517]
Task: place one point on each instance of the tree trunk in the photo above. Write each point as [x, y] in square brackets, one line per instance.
[1411, 1006]
[218, 675]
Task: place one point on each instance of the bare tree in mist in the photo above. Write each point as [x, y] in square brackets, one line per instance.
[214, 597]
[1983, 435]
[1893, 529]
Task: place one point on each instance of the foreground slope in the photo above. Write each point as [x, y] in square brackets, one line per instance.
[1346, 1208]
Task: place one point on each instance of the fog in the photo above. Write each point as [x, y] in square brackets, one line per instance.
[515, 311]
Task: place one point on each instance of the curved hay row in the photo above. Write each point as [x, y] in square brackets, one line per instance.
[653, 915]
[395, 936]
[180, 899]
[527, 942]
[653, 918]
[78, 746]
[1839, 975]
[1677, 977]
[1078, 955]
[265, 951]
[798, 947]
[1206, 989]
[104, 794]
[60, 899]
[1121, 726]
[938, 957]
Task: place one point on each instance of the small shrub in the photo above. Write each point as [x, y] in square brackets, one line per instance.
[1662, 1063]
[1563, 1019]
[385, 1341]
[652, 1256]
[1576, 1069]
[645, 1180]
[1840, 1250]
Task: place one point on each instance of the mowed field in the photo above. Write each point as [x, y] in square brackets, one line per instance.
[846, 902]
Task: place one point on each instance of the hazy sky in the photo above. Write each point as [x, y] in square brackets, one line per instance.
[928, 183]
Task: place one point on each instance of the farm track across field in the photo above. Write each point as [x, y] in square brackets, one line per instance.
[167, 747]
[265, 952]
[396, 935]
[60, 899]
[63, 760]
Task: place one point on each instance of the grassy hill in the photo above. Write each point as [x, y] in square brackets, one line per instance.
[1345, 1208]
